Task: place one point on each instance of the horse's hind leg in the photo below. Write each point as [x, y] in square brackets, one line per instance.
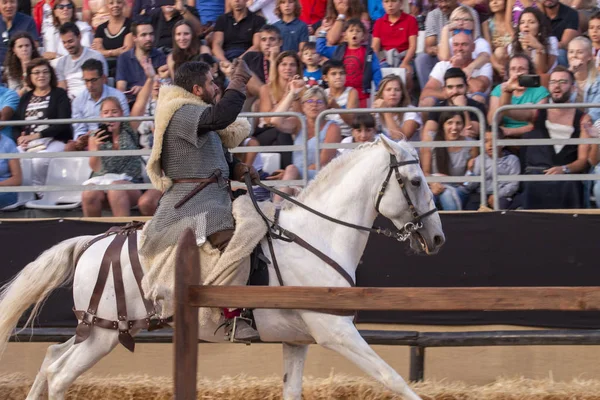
[78, 359]
[293, 363]
[340, 335]
[52, 354]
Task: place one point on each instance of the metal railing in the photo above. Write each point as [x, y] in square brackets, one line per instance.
[534, 142]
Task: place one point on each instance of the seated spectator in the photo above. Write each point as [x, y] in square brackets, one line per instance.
[87, 104]
[293, 31]
[462, 20]
[45, 101]
[314, 101]
[340, 96]
[582, 64]
[68, 68]
[514, 9]
[186, 47]
[22, 50]
[435, 22]
[455, 94]
[557, 159]
[478, 84]
[113, 170]
[64, 11]
[533, 39]
[515, 123]
[363, 131]
[447, 161]
[260, 62]
[166, 17]
[594, 35]
[497, 31]
[113, 37]
[236, 32]
[130, 74]
[593, 130]
[312, 68]
[397, 126]
[10, 171]
[9, 101]
[395, 38]
[12, 22]
[338, 12]
[145, 7]
[96, 12]
[287, 67]
[362, 65]
[508, 164]
[564, 26]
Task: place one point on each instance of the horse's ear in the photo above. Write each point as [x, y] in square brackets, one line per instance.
[387, 143]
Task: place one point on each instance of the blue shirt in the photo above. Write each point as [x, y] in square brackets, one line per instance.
[85, 107]
[21, 22]
[210, 10]
[130, 70]
[8, 98]
[293, 33]
[6, 146]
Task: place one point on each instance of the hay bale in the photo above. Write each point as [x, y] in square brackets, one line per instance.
[335, 387]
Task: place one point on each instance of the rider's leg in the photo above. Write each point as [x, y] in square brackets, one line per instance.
[221, 239]
[41, 380]
[294, 356]
[340, 335]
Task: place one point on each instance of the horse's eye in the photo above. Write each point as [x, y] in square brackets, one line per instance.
[416, 182]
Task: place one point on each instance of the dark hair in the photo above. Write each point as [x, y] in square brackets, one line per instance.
[270, 29]
[93, 65]
[38, 62]
[55, 20]
[355, 9]
[442, 157]
[191, 73]
[360, 120]
[455, 73]
[182, 55]
[543, 32]
[309, 46]
[139, 22]
[297, 9]
[69, 27]
[523, 56]
[356, 22]
[332, 64]
[595, 15]
[12, 62]
[562, 68]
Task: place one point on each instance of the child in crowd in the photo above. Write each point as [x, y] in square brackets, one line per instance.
[508, 164]
[311, 59]
[363, 131]
[594, 34]
[362, 64]
[339, 95]
[293, 31]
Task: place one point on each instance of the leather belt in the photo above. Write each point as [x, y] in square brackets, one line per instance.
[202, 183]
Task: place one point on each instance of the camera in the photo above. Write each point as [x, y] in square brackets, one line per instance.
[103, 131]
[529, 81]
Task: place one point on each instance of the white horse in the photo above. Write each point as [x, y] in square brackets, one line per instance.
[347, 189]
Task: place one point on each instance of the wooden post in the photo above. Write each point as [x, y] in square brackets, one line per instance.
[187, 273]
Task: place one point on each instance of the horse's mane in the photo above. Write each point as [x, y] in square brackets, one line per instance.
[334, 165]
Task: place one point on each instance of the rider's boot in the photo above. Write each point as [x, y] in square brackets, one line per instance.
[238, 328]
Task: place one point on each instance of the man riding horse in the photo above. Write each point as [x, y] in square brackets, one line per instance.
[190, 163]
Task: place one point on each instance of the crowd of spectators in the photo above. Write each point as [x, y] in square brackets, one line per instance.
[107, 58]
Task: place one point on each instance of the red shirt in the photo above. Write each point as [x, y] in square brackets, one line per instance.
[354, 61]
[395, 35]
[312, 11]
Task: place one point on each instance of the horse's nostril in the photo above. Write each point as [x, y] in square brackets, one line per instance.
[438, 241]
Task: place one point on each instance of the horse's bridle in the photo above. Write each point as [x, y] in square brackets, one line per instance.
[412, 226]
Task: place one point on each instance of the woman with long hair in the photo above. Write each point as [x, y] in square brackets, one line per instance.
[113, 37]
[186, 46]
[397, 126]
[64, 11]
[45, 101]
[533, 38]
[21, 50]
[448, 161]
[339, 11]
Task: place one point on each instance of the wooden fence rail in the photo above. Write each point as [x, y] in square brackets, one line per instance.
[190, 295]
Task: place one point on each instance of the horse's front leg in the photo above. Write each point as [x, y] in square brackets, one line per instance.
[340, 335]
[294, 356]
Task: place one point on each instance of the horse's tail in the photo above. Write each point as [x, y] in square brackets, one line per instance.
[53, 268]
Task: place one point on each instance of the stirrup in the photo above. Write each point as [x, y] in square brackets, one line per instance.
[230, 330]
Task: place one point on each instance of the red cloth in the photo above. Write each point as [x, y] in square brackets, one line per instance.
[354, 61]
[395, 36]
[231, 314]
[312, 11]
[38, 14]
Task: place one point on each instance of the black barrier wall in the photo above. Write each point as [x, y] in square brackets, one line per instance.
[482, 249]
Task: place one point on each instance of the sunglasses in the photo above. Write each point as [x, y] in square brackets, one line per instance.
[466, 31]
[318, 102]
[64, 6]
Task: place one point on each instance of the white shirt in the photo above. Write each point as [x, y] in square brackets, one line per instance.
[53, 44]
[69, 70]
[407, 116]
[552, 49]
[441, 67]
[267, 8]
